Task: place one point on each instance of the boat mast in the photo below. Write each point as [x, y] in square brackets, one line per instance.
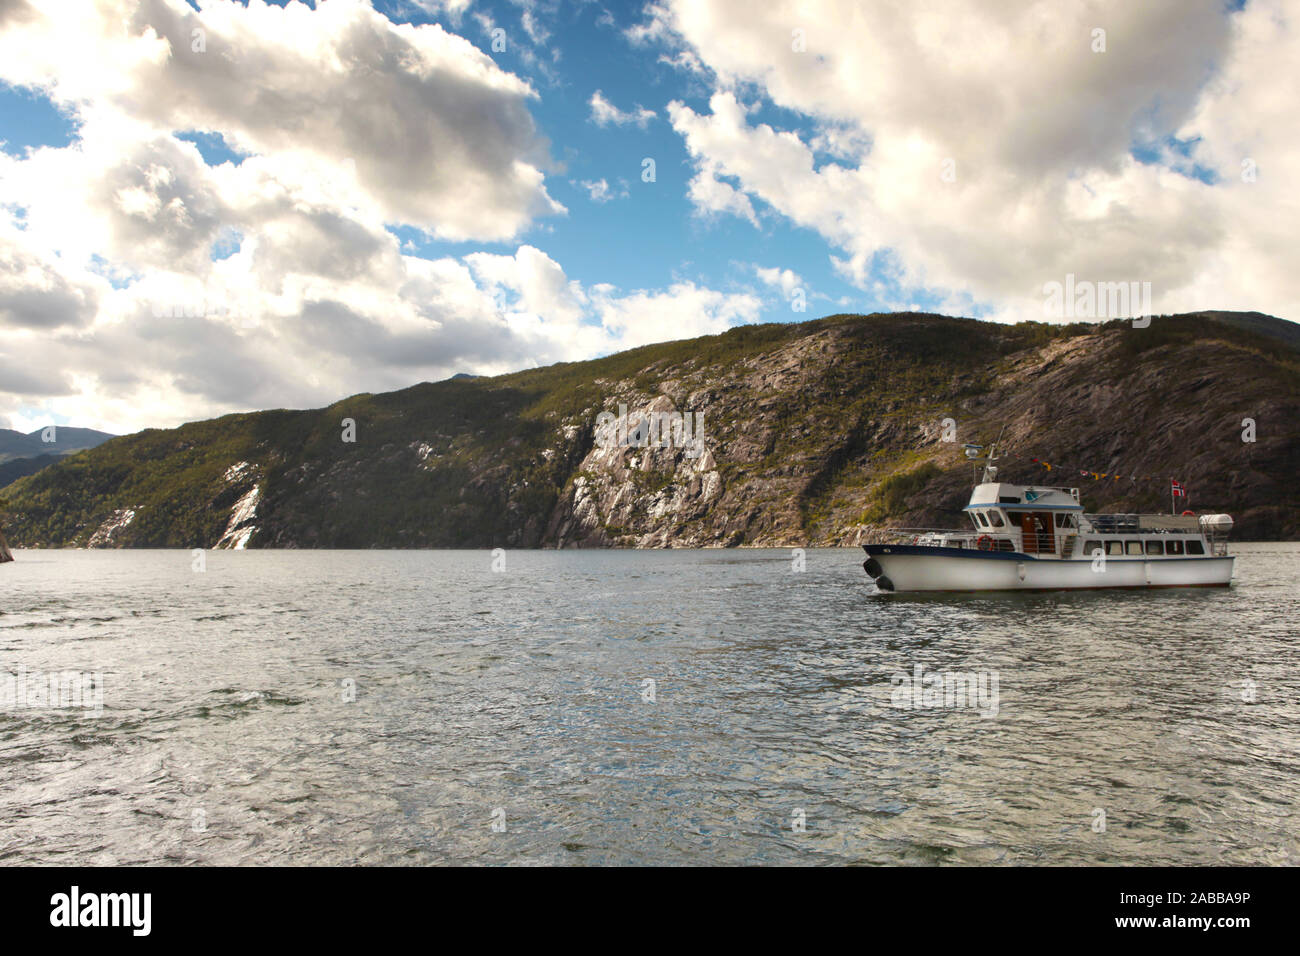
[990, 461]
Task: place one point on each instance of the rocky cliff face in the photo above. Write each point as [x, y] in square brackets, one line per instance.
[787, 435]
[640, 483]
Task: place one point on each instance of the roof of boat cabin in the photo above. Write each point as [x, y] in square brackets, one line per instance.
[1044, 497]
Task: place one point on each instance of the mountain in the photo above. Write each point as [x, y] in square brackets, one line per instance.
[814, 433]
[16, 468]
[1287, 332]
[62, 440]
[22, 455]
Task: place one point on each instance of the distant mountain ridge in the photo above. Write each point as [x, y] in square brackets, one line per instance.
[17, 468]
[66, 439]
[1258, 322]
[813, 434]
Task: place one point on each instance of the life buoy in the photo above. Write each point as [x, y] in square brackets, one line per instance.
[984, 543]
[1189, 514]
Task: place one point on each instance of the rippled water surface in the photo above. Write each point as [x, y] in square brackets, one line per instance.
[520, 697]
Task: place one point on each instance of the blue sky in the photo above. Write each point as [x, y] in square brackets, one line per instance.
[28, 119]
[316, 201]
[652, 236]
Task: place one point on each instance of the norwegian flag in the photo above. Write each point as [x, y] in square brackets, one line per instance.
[1177, 490]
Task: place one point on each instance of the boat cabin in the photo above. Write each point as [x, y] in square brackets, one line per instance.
[1025, 518]
[1050, 522]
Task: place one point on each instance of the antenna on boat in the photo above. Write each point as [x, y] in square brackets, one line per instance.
[990, 460]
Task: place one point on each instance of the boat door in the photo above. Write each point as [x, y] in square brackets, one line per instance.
[1036, 534]
[1028, 533]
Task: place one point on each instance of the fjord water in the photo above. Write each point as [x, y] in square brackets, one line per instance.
[520, 698]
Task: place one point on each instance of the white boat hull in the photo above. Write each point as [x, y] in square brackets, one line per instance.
[920, 568]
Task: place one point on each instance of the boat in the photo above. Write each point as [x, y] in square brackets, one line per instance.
[1036, 538]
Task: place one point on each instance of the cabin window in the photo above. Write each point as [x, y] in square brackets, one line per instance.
[1154, 547]
[1063, 520]
[1114, 547]
[1195, 547]
[1092, 547]
[1175, 547]
[1133, 547]
[996, 518]
[982, 521]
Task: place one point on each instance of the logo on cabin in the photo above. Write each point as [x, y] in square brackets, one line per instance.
[1032, 495]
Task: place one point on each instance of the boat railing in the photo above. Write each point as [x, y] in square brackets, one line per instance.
[1043, 542]
[1218, 544]
[945, 538]
[922, 536]
[1135, 524]
[1113, 524]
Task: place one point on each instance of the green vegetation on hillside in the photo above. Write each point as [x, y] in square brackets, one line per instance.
[816, 428]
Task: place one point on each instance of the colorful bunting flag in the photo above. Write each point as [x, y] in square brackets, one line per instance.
[1094, 475]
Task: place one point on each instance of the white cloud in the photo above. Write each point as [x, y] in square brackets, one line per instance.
[683, 311]
[316, 302]
[598, 190]
[605, 113]
[116, 313]
[787, 280]
[38, 291]
[656, 29]
[437, 135]
[984, 149]
[601, 191]
[711, 195]
[455, 9]
[533, 27]
[536, 278]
